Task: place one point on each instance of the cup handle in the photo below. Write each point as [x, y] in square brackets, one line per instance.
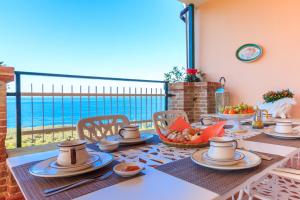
[120, 132]
[73, 156]
[236, 144]
[201, 121]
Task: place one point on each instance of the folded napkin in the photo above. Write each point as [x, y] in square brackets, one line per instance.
[179, 125]
[216, 130]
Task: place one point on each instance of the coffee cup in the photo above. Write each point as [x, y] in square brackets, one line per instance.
[206, 121]
[283, 127]
[222, 148]
[72, 152]
[129, 132]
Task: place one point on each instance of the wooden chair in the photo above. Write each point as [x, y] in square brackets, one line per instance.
[162, 120]
[95, 128]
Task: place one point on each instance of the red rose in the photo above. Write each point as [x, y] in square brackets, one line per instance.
[191, 71]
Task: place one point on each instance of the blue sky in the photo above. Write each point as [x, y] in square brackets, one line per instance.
[114, 38]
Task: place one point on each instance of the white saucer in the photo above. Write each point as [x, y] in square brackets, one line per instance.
[143, 138]
[238, 156]
[294, 135]
[93, 158]
[249, 161]
[43, 168]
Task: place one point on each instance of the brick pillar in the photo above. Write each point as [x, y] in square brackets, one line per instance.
[8, 187]
[194, 98]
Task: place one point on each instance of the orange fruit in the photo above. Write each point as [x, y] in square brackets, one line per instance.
[231, 112]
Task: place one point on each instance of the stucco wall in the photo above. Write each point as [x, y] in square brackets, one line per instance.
[224, 25]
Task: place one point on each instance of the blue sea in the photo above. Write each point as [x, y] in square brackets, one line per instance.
[48, 111]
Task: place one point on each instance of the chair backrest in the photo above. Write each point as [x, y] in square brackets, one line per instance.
[95, 128]
[162, 120]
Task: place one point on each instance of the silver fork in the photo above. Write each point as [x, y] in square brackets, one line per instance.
[52, 191]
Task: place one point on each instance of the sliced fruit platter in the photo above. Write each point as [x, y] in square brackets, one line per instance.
[238, 109]
[237, 113]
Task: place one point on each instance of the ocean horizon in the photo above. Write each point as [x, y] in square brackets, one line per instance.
[37, 112]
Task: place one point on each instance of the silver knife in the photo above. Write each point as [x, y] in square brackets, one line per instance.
[52, 191]
[262, 156]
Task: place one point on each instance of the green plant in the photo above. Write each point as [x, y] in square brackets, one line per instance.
[179, 75]
[272, 96]
[175, 75]
[1, 63]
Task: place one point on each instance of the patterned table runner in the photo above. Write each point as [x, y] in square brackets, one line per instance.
[219, 182]
[272, 140]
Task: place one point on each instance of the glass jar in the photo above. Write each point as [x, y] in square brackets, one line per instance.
[221, 96]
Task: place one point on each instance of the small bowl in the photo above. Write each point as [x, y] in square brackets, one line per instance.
[105, 145]
[119, 169]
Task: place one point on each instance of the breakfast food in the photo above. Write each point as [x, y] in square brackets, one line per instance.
[130, 168]
[188, 135]
[238, 109]
[181, 134]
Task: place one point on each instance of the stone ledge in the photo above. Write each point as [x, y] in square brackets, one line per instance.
[30, 150]
[41, 148]
[185, 85]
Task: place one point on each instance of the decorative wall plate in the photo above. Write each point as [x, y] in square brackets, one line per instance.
[249, 52]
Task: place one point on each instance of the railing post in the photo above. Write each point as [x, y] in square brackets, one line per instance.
[18, 110]
[191, 38]
[166, 87]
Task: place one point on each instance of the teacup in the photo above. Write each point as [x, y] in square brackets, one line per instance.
[206, 121]
[222, 148]
[129, 132]
[72, 152]
[283, 127]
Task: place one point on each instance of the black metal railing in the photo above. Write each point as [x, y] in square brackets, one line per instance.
[44, 105]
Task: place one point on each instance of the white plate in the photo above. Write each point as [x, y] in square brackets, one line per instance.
[43, 168]
[93, 158]
[143, 138]
[294, 135]
[250, 160]
[238, 156]
[236, 116]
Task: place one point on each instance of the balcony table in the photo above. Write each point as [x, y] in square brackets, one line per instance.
[159, 185]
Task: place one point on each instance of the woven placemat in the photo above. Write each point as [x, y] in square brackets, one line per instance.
[217, 181]
[272, 140]
[32, 186]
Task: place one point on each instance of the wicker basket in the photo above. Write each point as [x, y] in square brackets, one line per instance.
[163, 119]
[179, 145]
